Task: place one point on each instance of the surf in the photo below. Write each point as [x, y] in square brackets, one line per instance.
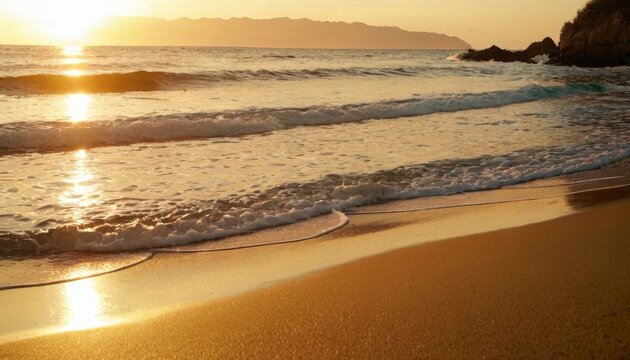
[18, 136]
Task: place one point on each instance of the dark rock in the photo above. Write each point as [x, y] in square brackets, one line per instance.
[494, 53]
[598, 36]
[545, 47]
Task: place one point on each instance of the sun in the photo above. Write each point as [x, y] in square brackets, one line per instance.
[69, 21]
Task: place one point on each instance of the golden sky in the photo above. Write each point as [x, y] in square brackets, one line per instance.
[507, 23]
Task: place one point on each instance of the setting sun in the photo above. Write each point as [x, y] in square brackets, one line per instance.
[67, 20]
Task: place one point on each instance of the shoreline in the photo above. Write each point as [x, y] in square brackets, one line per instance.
[88, 264]
[173, 284]
[541, 290]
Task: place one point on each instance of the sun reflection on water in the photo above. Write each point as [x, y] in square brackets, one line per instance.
[78, 107]
[73, 55]
[72, 61]
[72, 51]
[74, 72]
[83, 192]
[83, 304]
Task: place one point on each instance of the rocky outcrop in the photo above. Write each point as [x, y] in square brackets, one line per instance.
[530, 55]
[545, 47]
[598, 36]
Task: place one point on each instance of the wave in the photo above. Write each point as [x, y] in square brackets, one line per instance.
[291, 202]
[161, 81]
[49, 136]
[97, 83]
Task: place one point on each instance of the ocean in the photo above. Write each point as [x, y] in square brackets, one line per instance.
[122, 149]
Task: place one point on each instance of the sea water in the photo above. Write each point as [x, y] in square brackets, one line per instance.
[112, 149]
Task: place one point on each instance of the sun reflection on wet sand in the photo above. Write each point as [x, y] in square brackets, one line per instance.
[83, 305]
[78, 107]
[82, 193]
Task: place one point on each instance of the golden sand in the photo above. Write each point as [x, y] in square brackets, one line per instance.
[555, 289]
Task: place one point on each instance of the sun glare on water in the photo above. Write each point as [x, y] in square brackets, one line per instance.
[74, 73]
[78, 107]
[72, 51]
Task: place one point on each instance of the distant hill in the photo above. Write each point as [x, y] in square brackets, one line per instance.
[273, 33]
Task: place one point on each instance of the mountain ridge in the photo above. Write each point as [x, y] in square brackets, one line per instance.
[279, 32]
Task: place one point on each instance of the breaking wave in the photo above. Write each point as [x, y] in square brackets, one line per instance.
[291, 202]
[47, 136]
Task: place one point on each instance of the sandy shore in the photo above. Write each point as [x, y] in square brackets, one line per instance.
[553, 289]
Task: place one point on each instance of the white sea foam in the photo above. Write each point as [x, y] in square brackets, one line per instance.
[288, 203]
[460, 55]
[541, 59]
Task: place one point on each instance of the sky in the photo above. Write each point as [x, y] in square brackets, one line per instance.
[507, 23]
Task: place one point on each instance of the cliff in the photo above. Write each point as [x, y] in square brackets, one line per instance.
[598, 36]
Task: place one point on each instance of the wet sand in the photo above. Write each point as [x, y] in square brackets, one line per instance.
[552, 289]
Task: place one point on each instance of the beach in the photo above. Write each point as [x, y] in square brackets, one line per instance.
[302, 203]
[539, 278]
[208, 180]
